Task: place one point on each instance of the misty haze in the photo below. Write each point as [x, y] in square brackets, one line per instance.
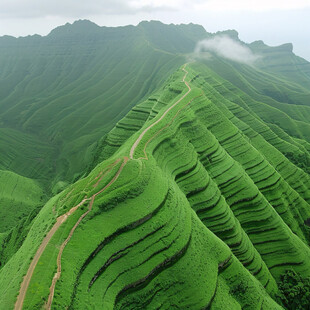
[226, 47]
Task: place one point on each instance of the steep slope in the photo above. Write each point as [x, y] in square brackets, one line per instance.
[69, 88]
[17, 195]
[61, 93]
[207, 212]
[198, 198]
[281, 60]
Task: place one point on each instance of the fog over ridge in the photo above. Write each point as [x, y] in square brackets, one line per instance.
[226, 47]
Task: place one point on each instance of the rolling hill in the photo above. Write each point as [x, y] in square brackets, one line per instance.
[159, 179]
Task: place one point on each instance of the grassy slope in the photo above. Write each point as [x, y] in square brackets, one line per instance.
[216, 199]
[62, 93]
[18, 197]
[13, 271]
[68, 89]
[220, 198]
[20, 201]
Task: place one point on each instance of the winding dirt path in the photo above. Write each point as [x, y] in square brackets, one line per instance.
[24, 286]
[92, 199]
[58, 273]
[134, 146]
[61, 219]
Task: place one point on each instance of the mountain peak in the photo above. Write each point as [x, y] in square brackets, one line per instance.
[81, 26]
[261, 46]
[287, 47]
[230, 33]
[150, 22]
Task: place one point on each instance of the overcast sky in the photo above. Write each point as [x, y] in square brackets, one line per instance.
[273, 21]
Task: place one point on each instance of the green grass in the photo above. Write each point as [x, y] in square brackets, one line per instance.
[13, 271]
[66, 94]
[41, 280]
[212, 220]
[18, 197]
[145, 242]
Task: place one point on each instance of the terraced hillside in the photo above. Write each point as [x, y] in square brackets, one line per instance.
[206, 212]
[199, 198]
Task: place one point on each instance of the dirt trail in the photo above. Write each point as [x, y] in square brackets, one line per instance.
[134, 146]
[92, 199]
[163, 128]
[100, 176]
[61, 219]
[24, 286]
[58, 273]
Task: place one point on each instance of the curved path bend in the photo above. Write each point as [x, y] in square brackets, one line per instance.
[61, 219]
[92, 199]
[134, 146]
[26, 281]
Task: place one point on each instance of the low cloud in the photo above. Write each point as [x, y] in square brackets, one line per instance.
[225, 47]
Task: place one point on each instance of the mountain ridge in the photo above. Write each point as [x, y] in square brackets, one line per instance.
[172, 184]
[84, 25]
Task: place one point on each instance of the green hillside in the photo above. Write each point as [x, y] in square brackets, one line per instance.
[68, 89]
[18, 196]
[174, 184]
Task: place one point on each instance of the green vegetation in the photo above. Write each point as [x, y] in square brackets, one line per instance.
[18, 197]
[61, 93]
[210, 209]
[13, 271]
[42, 278]
[294, 291]
[12, 240]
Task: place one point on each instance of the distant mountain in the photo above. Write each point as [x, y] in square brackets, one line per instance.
[150, 176]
